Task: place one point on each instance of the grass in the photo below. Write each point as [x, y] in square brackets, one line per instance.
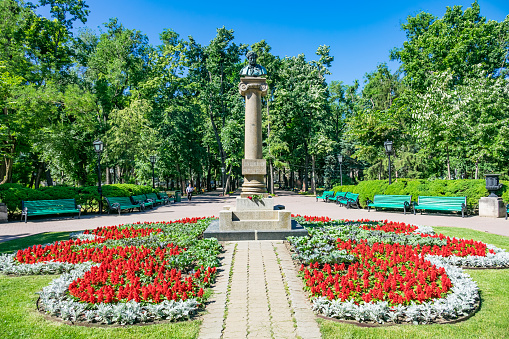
[491, 321]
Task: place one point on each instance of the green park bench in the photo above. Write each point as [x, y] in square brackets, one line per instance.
[45, 207]
[325, 196]
[449, 204]
[122, 203]
[142, 200]
[166, 197]
[350, 199]
[337, 196]
[390, 201]
[155, 199]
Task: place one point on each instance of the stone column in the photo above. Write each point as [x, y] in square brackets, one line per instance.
[253, 164]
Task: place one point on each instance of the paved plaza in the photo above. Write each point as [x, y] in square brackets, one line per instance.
[257, 293]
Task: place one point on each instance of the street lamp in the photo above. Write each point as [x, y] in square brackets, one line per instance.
[223, 170]
[340, 160]
[153, 161]
[388, 150]
[98, 148]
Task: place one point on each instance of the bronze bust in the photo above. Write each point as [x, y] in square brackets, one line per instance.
[252, 69]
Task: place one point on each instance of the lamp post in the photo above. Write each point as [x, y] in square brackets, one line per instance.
[340, 160]
[388, 150]
[98, 147]
[223, 170]
[153, 161]
[112, 175]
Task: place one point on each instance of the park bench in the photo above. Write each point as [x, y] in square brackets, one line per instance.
[155, 199]
[122, 203]
[337, 196]
[164, 196]
[170, 197]
[450, 204]
[390, 201]
[350, 199]
[325, 196]
[142, 199]
[45, 207]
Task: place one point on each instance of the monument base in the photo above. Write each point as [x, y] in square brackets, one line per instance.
[254, 219]
[213, 231]
[492, 207]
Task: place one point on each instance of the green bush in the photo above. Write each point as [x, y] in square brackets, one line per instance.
[472, 189]
[87, 197]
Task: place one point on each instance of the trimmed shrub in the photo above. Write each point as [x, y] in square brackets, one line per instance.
[472, 189]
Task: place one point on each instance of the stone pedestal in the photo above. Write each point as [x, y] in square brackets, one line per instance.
[254, 215]
[3, 212]
[492, 207]
[253, 164]
[254, 220]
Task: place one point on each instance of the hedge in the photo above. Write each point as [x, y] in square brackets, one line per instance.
[472, 189]
[87, 197]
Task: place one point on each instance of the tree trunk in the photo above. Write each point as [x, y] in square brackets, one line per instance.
[448, 163]
[40, 170]
[305, 181]
[49, 179]
[313, 174]
[477, 169]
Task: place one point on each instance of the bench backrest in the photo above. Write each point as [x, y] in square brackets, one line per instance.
[392, 199]
[352, 196]
[163, 195]
[123, 201]
[340, 194]
[442, 201]
[140, 197]
[328, 194]
[50, 205]
[152, 196]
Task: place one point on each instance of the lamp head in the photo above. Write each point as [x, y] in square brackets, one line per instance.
[388, 147]
[98, 146]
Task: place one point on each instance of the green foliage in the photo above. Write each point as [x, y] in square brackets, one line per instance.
[472, 189]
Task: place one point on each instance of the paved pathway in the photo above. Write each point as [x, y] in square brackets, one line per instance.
[211, 203]
[258, 295]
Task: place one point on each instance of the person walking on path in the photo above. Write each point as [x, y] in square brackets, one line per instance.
[189, 191]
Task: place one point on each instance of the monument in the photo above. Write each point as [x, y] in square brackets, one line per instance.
[255, 216]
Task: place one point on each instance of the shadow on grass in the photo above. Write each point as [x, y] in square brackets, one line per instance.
[41, 238]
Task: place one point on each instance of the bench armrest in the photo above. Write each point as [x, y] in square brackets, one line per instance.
[150, 200]
[369, 201]
[115, 206]
[78, 207]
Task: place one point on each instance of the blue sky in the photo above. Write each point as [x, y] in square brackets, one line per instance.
[360, 33]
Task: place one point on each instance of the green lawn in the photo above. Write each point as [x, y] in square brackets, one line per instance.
[491, 321]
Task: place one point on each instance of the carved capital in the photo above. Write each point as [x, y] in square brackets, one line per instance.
[253, 84]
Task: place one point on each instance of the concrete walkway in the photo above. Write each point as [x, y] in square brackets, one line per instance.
[258, 295]
[209, 204]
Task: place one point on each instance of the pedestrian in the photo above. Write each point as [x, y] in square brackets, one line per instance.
[189, 191]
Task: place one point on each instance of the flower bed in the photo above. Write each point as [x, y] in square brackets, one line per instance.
[124, 274]
[383, 271]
